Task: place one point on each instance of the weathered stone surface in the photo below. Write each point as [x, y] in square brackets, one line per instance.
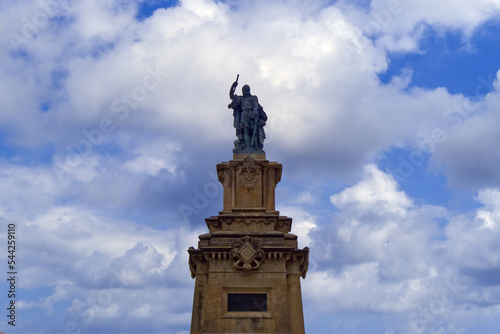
[249, 185]
[254, 222]
[248, 250]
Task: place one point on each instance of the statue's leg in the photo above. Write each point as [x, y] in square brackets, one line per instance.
[247, 137]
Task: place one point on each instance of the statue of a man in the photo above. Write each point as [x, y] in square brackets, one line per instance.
[249, 119]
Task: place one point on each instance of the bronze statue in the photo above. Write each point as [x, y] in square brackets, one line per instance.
[249, 120]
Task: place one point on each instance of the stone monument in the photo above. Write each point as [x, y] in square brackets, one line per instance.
[248, 267]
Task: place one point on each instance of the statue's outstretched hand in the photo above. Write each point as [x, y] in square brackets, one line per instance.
[235, 84]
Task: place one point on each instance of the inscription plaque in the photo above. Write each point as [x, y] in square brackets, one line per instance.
[247, 302]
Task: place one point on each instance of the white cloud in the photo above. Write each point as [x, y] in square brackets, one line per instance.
[303, 222]
[398, 24]
[153, 159]
[106, 20]
[298, 65]
[106, 271]
[384, 253]
[474, 243]
[376, 190]
[305, 198]
[469, 150]
[136, 115]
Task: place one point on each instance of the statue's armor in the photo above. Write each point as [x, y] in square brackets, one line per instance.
[247, 103]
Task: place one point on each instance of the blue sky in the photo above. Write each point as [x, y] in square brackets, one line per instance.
[384, 114]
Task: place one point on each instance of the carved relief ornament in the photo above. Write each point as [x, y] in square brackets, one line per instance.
[248, 174]
[247, 254]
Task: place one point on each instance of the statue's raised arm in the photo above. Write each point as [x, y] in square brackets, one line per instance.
[233, 87]
[249, 120]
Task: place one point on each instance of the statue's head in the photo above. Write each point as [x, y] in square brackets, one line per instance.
[246, 90]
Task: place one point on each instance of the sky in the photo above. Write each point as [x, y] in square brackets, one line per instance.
[384, 114]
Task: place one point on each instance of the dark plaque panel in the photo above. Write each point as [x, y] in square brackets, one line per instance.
[247, 302]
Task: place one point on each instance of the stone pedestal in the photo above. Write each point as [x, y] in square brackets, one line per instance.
[248, 266]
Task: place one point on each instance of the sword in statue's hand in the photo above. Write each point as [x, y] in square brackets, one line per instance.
[236, 82]
[233, 89]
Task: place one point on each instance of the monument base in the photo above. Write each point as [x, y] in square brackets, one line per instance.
[248, 267]
[247, 283]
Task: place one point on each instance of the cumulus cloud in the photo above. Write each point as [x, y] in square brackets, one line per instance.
[104, 272]
[384, 253]
[469, 150]
[398, 25]
[162, 74]
[111, 124]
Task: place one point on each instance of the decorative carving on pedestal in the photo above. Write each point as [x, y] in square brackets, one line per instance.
[303, 260]
[249, 183]
[235, 222]
[247, 253]
[248, 175]
[220, 175]
[195, 257]
[277, 177]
